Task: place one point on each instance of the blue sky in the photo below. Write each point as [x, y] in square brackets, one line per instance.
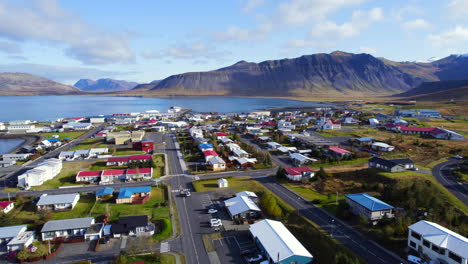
[146, 40]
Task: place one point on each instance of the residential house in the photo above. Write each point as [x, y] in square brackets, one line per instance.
[365, 141]
[119, 138]
[58, 202]
[429, 113]
[75, 227]
[374, 122]
[109, 176]
[226, 141]
[328, 124]
[133, 195]
[240, 153]
[7, 163]
[232, 146]
[81, 154]
[405, 113]
[298, 159]
[2, 126]
[442, 133]
[273, 145]
[95, 152]
[245, 162]
[66, 155]
[97, 120]
[15, 157]
[77, 126]
[137, 135]
[133, 226]
[94, 232]
[221, 135]
[380, 146]
[298, 173]
[104, 193]
[278, 244]
[123, 161]
[7, 206]
[19, 128]
[365, 205]
[393, 165]
[88, 176]
[45, 171]
[146, 146]
[139, 174]
[263, 139]
[216, 163]
[286, 124]
[209, 154]
[338, 152]
[243, 206]
[416, 130]
[16, 237]
[205, 147]
[438, 243]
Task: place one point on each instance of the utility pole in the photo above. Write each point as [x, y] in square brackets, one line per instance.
[332, 227]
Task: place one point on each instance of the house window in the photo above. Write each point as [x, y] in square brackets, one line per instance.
[416, 235]
[426, 243]
[442, 251]
[455, 257]
[435, 248]
[412, 244]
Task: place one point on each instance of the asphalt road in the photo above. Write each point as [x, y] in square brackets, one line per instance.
[443, 174]
[362, 246]
[190, 240]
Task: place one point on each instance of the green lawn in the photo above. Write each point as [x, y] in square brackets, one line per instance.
[155, 208]
[82, 208]
[127, 151]
[91, 143]
[339, 163]
[159, 163]
[62, 135]
[101, 165]
[66, 177]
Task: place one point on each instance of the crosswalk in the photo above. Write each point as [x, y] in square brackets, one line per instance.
[165, 247]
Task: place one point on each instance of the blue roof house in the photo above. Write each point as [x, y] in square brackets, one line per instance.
[136, 195]
[365, 140]
[373, 209]
[106, 191]
[204, 147]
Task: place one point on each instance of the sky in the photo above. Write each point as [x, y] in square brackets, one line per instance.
[146, 40]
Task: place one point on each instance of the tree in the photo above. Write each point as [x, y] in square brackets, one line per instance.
[321, 174]
[6, 219]
[280, 173]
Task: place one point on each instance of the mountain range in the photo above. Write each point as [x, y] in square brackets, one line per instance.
[338, 74]
[27, 84]
[104, 85]
[318, 75]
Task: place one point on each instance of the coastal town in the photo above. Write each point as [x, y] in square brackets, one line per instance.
[347, 183]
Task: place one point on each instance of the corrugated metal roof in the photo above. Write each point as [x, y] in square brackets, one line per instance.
[105, 191]
[278, 240]
[11, 231]
[442, 237]
[240, 204]
[129, 191]
[58, 199]
[64, 224]
[369, 201]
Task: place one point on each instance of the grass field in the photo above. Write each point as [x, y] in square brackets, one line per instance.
[340, 163]
[92, 143]
[66, 177]
[127, 152]
[62, 135]
[155, 207]
[158, 161]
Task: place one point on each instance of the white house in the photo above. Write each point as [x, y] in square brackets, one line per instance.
[45, 171]
[7, 206]
[278, 244]
[81, 153]
[240, 153]
[243, 205]
[77, 126]
[94, 152]
[97, 120]
[298, 173]
[438, 243]
[222, 183]
[65, 228]
[58, 202]
[16, 237]
[330, 125]
[298, 159]
[15, 157]
[273, 145]
[2, 126]
[380, 146]
[374, 122]
[232, 146]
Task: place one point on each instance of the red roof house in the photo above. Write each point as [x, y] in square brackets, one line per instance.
[7, 206]
[339, 151]
[417, 130]
[298, 173]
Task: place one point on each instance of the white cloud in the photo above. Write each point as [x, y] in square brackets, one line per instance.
[234, 33]
[359, 21]
[368, 50]
[418, 23]
[46, 22]
[454, 40]
[458, 8]
[60, 73]
[192, 50]
[252, 4]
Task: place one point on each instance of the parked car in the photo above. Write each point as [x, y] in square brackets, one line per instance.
[215, 222]
[255, 258]
[212, 211]
[187, 193]
[415, 260]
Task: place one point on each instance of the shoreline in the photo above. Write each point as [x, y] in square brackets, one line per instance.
[27, 140]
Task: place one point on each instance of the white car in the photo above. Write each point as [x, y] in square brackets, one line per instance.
[254, 259]
[212, 211]
[415, 260]
[215, 222]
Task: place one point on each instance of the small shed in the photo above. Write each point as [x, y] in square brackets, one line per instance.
[222, 183]
[104, 193]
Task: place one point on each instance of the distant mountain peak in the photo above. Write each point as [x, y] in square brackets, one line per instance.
[28, 84]
[105, 84]
[340, 53]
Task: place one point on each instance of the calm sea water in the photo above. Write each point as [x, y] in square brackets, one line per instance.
[9, 144]
[46, 108]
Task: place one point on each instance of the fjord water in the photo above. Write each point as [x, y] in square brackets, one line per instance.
[9, 144]
[47, 108]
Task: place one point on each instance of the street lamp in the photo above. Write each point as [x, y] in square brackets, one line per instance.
[333, 225]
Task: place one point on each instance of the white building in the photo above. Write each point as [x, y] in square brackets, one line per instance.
[77, 126]
[216, 163]
[19, 122]
[94, 152]
[2, 126]
[243, 205]
[299, 159]
[374, 122]
[16, 128]
[380, 146]
[15, 157]
[278, 244]
[58, 202]
[222, 183]
[438, 242]
[45, 171]
[16, 237]
[97, 120]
